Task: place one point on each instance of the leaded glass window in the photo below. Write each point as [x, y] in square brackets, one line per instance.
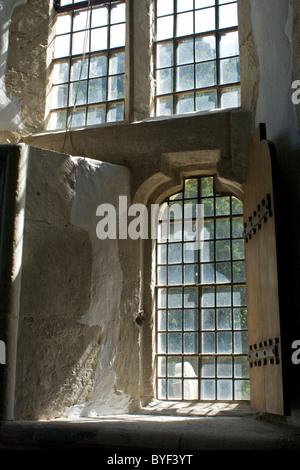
[197, 56]
[88, 77]
[201, 308]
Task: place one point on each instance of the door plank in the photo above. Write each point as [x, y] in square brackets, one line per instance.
[266, 378]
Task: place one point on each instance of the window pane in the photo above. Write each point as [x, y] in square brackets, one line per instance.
[115, 113]
[185, 24]
[62, 46]
[118, 14]
[185, 52]
[224, 366]
[205, 48]
[190, 297]
[223, 250]
[224, 342]
[223, 296]
[161, 342]
[174, 298]
[185, 104]
[174, 253]
[206, 100]
[224, 319]
[190, 389]
[98, 66]
[190, 319]
[208, 319]
[224, 391]
[242, 390]
[161, 366]
[207, 367]
[78, 118]
[58, 120]
[207, 251]
[117, 35]
[184, 5]
[241, 367]
[162, 275]
[174, 343]
[191, 274]
[99, 16]
[230, 70]
[164, 7]
[79, 70]
[205, 20]
[185, 78]
[78, 93]
[175, 389]
[175, 274]
[223, 273]
[223, 205]
[162, 298]
[208, 343]
[116, 87]
[238, 271]
[80, 42]
[164, 106]
[164, 81]
[229, 44]
[190, 343]
[60, 72]
[63, 23]
[98, 39]
[81, 20]
[207, 273]
[204, 3]
[231, 98]
[240, 342]
[237, 227]
[161, 389]
[164, 28]
[191, 188]
[59, 96]
[206, 74]
[222, 228]
[239, 296]
[208, 389]
[175, 319]
[240, 321]
[228, 16]
[164, 55]
[161, 320]
[96, 115]
[208, 297]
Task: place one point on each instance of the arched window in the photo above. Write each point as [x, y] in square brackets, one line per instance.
[201, 311]
[197, 56]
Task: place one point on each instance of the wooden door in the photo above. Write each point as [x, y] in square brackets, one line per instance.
[261, 247]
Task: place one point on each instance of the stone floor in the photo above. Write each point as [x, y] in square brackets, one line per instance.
[160, 428]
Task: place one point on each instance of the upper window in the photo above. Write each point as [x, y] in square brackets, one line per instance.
[197, 56]
[88, 77]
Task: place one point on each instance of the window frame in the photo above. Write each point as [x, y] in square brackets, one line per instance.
[218, 87]
[199, 354]
[69, 105]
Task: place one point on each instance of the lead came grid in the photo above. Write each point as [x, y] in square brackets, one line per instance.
[197, 56]
[88, 79]
[201, 322]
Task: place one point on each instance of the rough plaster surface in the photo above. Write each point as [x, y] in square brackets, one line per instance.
[98, 183]
[71, 291]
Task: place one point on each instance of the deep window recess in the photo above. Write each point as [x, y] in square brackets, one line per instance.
[197, 56]
[88, 78]
[201, 315]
